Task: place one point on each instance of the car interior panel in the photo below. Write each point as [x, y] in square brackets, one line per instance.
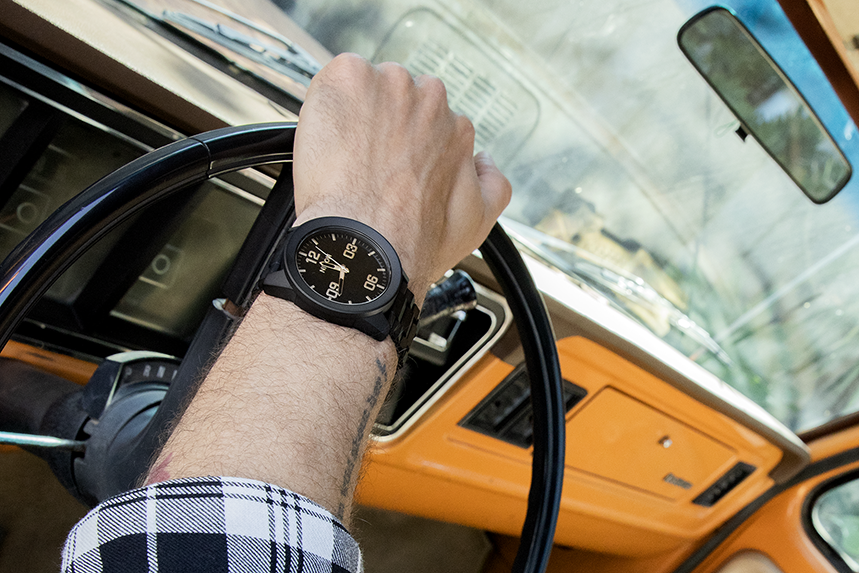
[777, 531]
[702, 297]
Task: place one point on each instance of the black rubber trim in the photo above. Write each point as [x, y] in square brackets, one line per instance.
[831, 427]
[24, 143]
[730, 526]
[725, 484]
[40, 77]
[822, 545]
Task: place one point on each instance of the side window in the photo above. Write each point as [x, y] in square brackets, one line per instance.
[835, 516]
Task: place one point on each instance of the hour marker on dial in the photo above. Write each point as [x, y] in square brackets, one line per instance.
[344, 271]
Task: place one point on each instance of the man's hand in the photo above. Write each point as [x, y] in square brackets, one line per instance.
[373, 144]
[292, 398]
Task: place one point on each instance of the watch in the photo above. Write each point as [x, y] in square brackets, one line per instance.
[347, 273]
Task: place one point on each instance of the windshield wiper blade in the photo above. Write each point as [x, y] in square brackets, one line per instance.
[292, 47]
[630, 288]
[280, 94]
[291, 62]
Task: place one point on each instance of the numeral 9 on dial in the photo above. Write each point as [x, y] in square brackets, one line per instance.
[333, 291]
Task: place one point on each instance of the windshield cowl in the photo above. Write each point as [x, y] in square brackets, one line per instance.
[628, 293]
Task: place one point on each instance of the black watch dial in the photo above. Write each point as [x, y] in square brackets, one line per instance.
[342, 267]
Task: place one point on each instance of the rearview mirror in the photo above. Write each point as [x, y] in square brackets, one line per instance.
[767, 104]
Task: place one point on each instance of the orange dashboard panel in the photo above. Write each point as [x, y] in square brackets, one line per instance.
[776, 530]
[74, 369]
[660, 455]
[67, 367]
[639, 455]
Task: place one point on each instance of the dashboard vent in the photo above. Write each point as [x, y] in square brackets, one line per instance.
[506, 413]
[724, 484]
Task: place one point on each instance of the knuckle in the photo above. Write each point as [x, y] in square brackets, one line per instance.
[465, 128]
[397, 75]
[394, 69]
[432, 86]
[349, 60]
[344, 67]
[506, 189]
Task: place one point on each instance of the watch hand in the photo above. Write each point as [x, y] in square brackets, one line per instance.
[343, 270]
[328, 258]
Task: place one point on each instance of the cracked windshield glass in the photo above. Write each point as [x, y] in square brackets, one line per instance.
[631, 176]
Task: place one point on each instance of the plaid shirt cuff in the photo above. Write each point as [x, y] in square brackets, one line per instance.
[211, 524]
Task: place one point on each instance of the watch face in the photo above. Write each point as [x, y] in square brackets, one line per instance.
[342, 267]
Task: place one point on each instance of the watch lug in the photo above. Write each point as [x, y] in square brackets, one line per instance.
[276, 284]
[379, 324]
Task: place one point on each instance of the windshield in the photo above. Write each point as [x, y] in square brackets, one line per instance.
[629, 175]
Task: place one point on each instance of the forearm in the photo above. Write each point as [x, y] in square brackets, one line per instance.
[290, 401]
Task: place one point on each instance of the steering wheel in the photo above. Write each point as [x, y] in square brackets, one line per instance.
[44, 255]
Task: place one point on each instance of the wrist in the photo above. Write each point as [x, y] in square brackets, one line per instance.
[282, 319]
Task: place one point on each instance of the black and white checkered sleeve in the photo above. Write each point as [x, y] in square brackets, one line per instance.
[211, 524]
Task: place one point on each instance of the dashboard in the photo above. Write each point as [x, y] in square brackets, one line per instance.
[658, 454]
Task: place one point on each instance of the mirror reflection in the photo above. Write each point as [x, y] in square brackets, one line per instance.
[767, 105]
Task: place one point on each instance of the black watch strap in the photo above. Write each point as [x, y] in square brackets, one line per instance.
[404, 320]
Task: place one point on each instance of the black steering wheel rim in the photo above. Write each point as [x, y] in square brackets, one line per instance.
[45, 254]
